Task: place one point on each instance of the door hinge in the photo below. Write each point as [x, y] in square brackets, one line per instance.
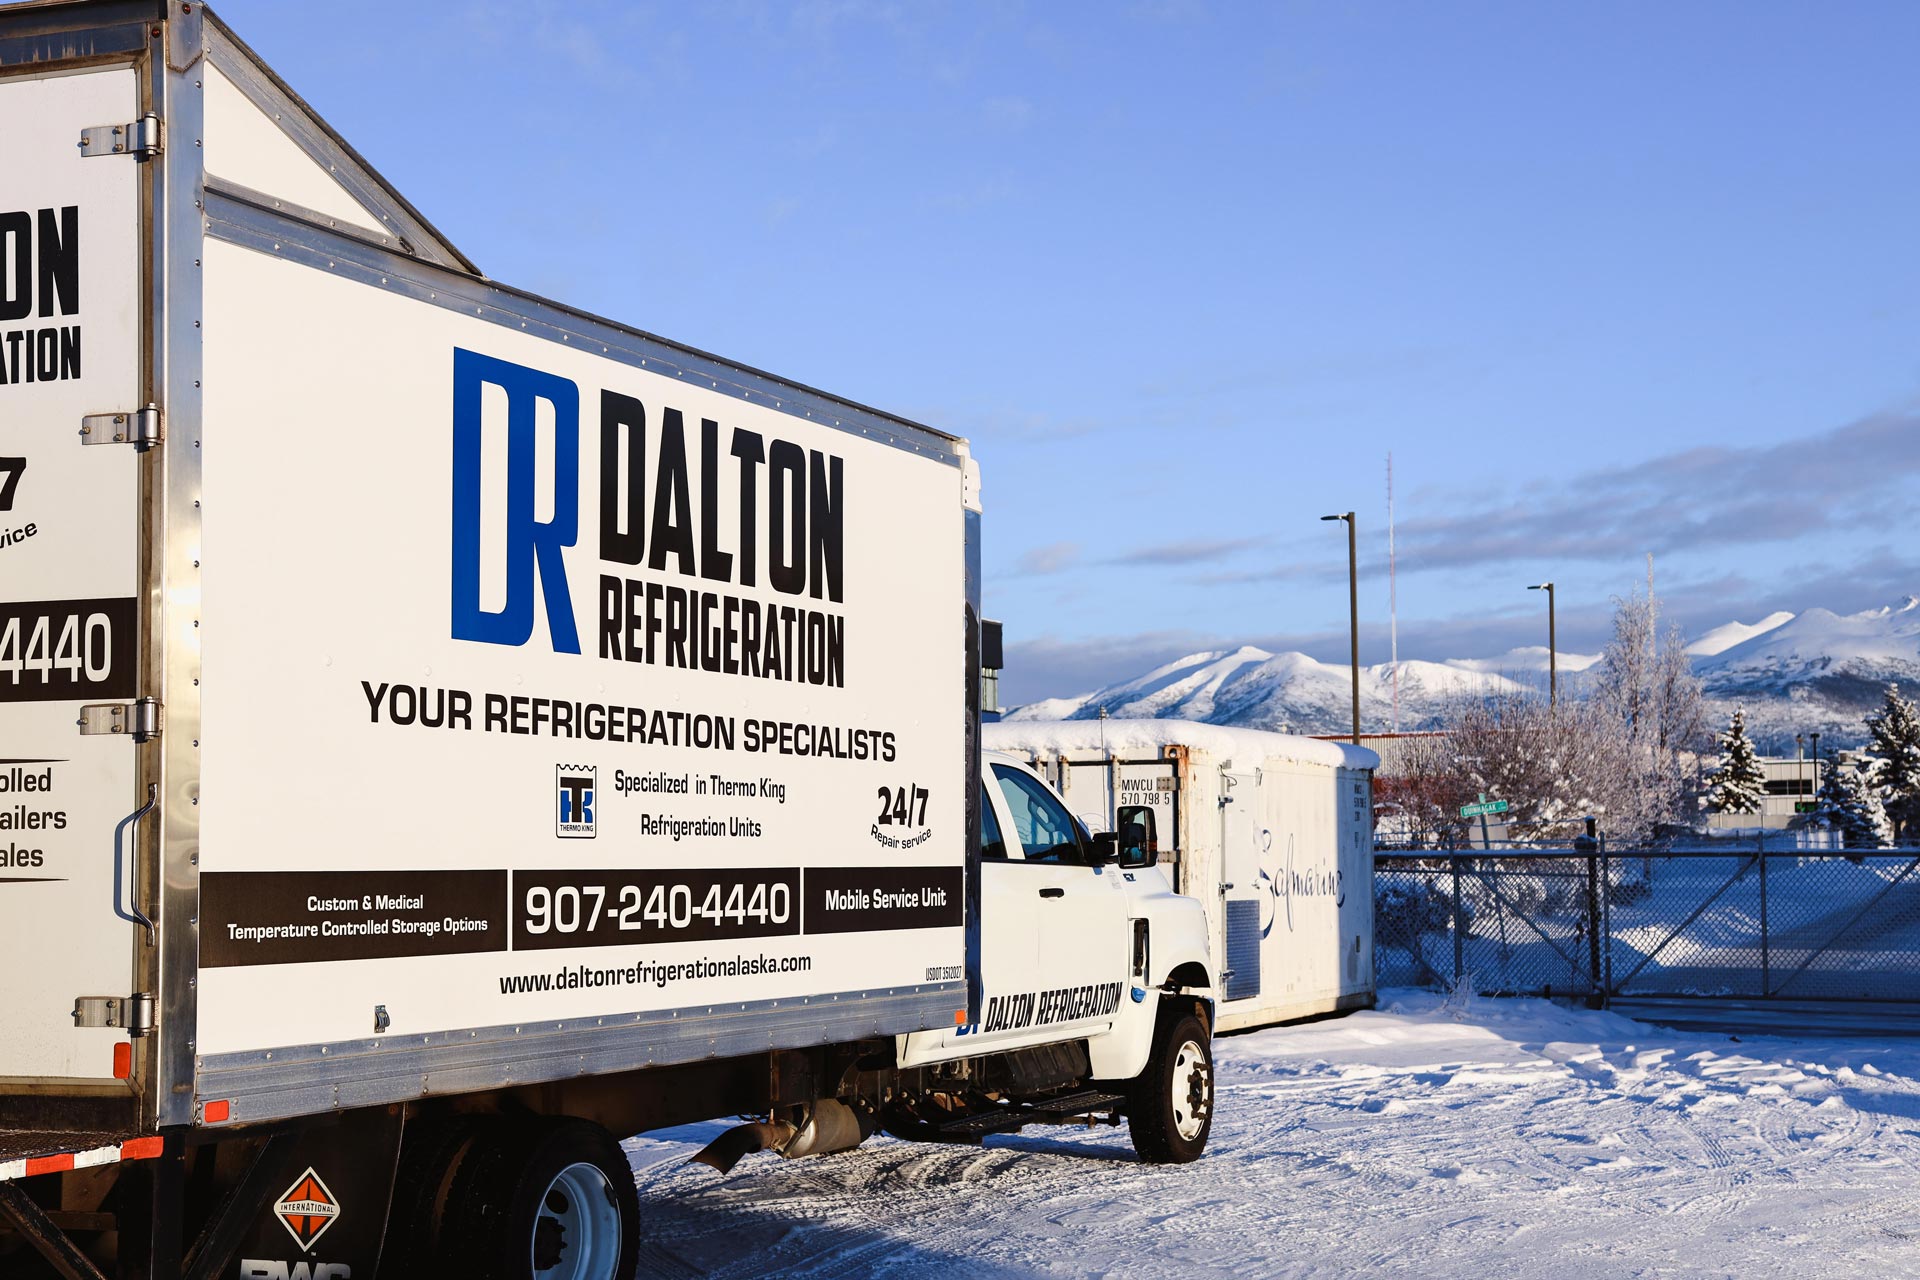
[132, 1014]
[140, 427]
[140, 719]
[144, 137]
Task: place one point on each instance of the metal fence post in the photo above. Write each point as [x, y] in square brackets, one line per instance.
[1589, 844]
[1459, 924]
[1766, 941]
[1606, 916]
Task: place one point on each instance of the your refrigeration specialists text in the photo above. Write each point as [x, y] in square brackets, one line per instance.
[787, 503]
[437, 708]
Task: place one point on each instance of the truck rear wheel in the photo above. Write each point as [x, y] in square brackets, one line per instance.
[1170, 1103]
[430, 1154]
[544, 1199]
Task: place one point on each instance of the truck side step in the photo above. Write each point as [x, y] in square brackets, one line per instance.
[1078, 1104]
[1006, 1119]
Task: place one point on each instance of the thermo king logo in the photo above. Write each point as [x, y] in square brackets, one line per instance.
[575, 786]
[306, 1209]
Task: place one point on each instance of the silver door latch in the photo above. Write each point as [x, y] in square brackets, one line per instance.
[141, 427]
[132, 1014]
[140, 719]
[144, 137]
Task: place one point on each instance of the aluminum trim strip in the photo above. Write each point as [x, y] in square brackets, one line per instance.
[280, 1083]
[324, 221]
[172, 672]
[251, 226]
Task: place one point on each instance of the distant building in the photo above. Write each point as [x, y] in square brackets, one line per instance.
[1791, 785]
[1391, 747]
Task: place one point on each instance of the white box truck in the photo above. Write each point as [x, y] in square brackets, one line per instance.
[442, 732]
[1272, 831]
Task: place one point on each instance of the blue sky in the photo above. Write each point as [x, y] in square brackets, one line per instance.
[1605, 279]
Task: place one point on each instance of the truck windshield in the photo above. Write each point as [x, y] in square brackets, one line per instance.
[1046, 831]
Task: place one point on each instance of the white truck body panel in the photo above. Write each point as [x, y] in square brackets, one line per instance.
[70, 346]
[340, 584]
[1271, 832]
[460, 785]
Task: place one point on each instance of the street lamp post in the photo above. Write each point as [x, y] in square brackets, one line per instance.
[1553, 650]
[1353, 614]
[1799, 767]
[1816, 763]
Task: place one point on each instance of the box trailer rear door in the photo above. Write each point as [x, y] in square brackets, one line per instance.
[1242, 844]
[71, 286]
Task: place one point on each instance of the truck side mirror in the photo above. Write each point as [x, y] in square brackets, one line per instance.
[1139, 842]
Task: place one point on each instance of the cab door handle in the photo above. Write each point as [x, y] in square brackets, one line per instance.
[1054, 892]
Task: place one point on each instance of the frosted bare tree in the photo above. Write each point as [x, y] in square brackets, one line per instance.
[1645, 692]
[1552, 766]
[1630, 754]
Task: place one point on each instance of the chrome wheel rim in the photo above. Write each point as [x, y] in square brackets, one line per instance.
[576, 1233]
[1192, 1090]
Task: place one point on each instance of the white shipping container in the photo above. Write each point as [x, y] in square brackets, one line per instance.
[1272, 832]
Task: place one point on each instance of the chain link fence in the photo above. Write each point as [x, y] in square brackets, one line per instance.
[1713, 922]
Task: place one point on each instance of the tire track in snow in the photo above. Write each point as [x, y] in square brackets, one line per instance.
[1543, 1143]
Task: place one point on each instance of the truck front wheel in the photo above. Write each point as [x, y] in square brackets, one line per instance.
[546, 1199]
[1170, 1103]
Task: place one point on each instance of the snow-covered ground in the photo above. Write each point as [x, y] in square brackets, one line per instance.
[1435, 1138]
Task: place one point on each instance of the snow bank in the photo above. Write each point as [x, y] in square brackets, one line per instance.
[1152, 736]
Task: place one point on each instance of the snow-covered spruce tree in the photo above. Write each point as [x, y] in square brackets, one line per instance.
[1895, 731]
[1849, 803]
[1738, 784]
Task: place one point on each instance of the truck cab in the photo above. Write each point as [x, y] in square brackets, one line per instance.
[1090, 964]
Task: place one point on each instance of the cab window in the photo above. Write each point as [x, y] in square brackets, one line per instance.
[1045, 830]
[992, 844]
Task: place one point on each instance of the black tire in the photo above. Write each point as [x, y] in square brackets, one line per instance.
[527, 1189]
[429, 1155]
[1170, 1103]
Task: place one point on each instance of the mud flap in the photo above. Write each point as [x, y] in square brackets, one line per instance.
[313, 1206]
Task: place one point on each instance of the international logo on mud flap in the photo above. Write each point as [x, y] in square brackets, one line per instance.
[306, 1209]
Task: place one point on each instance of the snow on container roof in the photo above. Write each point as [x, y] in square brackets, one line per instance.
[1244, 745]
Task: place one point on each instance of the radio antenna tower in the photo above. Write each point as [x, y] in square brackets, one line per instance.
[1393, 598]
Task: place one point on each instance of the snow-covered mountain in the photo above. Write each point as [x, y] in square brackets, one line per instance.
[1794, 673]
[1814, 670]
[1288, 691]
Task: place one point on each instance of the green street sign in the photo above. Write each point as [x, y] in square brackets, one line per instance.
[1484, 807]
